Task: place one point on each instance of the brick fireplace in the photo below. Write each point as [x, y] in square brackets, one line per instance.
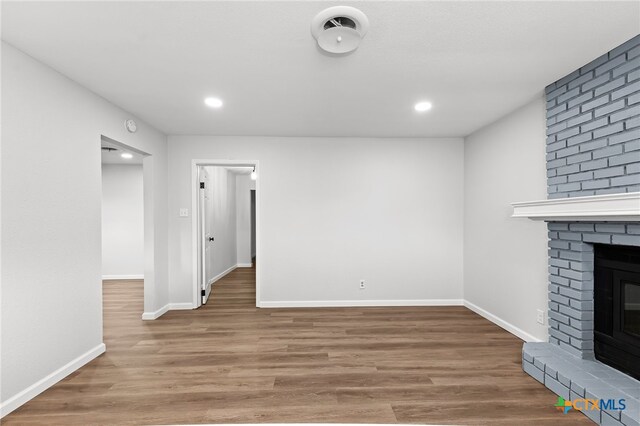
[593, 177]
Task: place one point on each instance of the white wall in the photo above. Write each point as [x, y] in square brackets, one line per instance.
[505, 259]
[51, 308]
[334, 211]
[243, 219]
[122, 221]
[222, 218]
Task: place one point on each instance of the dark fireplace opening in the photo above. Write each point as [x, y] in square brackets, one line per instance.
[617, 307]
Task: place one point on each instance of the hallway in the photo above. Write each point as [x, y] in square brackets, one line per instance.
[230, 362]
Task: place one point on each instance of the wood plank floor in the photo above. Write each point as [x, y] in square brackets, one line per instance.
[230, 362]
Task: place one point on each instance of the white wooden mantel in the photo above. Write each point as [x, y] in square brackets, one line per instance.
[610, 207]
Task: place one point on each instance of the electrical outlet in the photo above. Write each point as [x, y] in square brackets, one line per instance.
[362, 286]
[540, 317]
[184, 212]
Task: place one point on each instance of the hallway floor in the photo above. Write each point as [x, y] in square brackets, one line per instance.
[230, 362]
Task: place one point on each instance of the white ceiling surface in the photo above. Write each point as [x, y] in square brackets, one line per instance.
[115, 157]
[237, 170]
[475, 61]
[240, 170]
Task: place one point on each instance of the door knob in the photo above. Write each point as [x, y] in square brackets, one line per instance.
[211, 239]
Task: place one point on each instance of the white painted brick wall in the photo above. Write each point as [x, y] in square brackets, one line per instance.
[593, 126]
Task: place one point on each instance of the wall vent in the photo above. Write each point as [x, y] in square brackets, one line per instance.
[340, 21]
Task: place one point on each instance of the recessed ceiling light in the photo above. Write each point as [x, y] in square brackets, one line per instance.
[126, 155]
[423, 106]
[213, 102]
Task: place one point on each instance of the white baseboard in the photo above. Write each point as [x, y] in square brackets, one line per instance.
[123, 277]
[222, 274]
[147, 316]
[420, 302]
[358, 303]
[40, 386]
[245, 265]
[363, 303]
[502, 323]
[180, 306]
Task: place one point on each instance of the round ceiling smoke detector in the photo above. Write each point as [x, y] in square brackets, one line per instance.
[339, 29]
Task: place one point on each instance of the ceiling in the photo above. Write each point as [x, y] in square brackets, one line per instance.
[240, 170]
[475, 61]
[115, 156]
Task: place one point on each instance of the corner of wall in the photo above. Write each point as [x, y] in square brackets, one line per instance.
[505, 258]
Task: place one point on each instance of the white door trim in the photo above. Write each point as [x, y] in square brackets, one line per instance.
[148, 178]
[194, 220]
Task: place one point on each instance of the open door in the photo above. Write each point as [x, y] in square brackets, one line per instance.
[204, 231]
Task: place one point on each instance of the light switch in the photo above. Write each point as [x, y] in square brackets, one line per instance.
[184, 212]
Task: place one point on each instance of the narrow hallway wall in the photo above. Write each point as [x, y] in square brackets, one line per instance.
[122, 222]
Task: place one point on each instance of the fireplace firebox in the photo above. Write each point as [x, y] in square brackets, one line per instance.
[617, 307]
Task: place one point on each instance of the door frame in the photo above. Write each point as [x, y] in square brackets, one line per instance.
[202, 235]
[148, 221]
[195, 184]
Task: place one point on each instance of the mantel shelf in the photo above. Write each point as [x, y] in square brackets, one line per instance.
[610, 207]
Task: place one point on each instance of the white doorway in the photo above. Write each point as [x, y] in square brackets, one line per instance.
[125, 198]
[222, 222]
[205, 228]
[253, 225]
